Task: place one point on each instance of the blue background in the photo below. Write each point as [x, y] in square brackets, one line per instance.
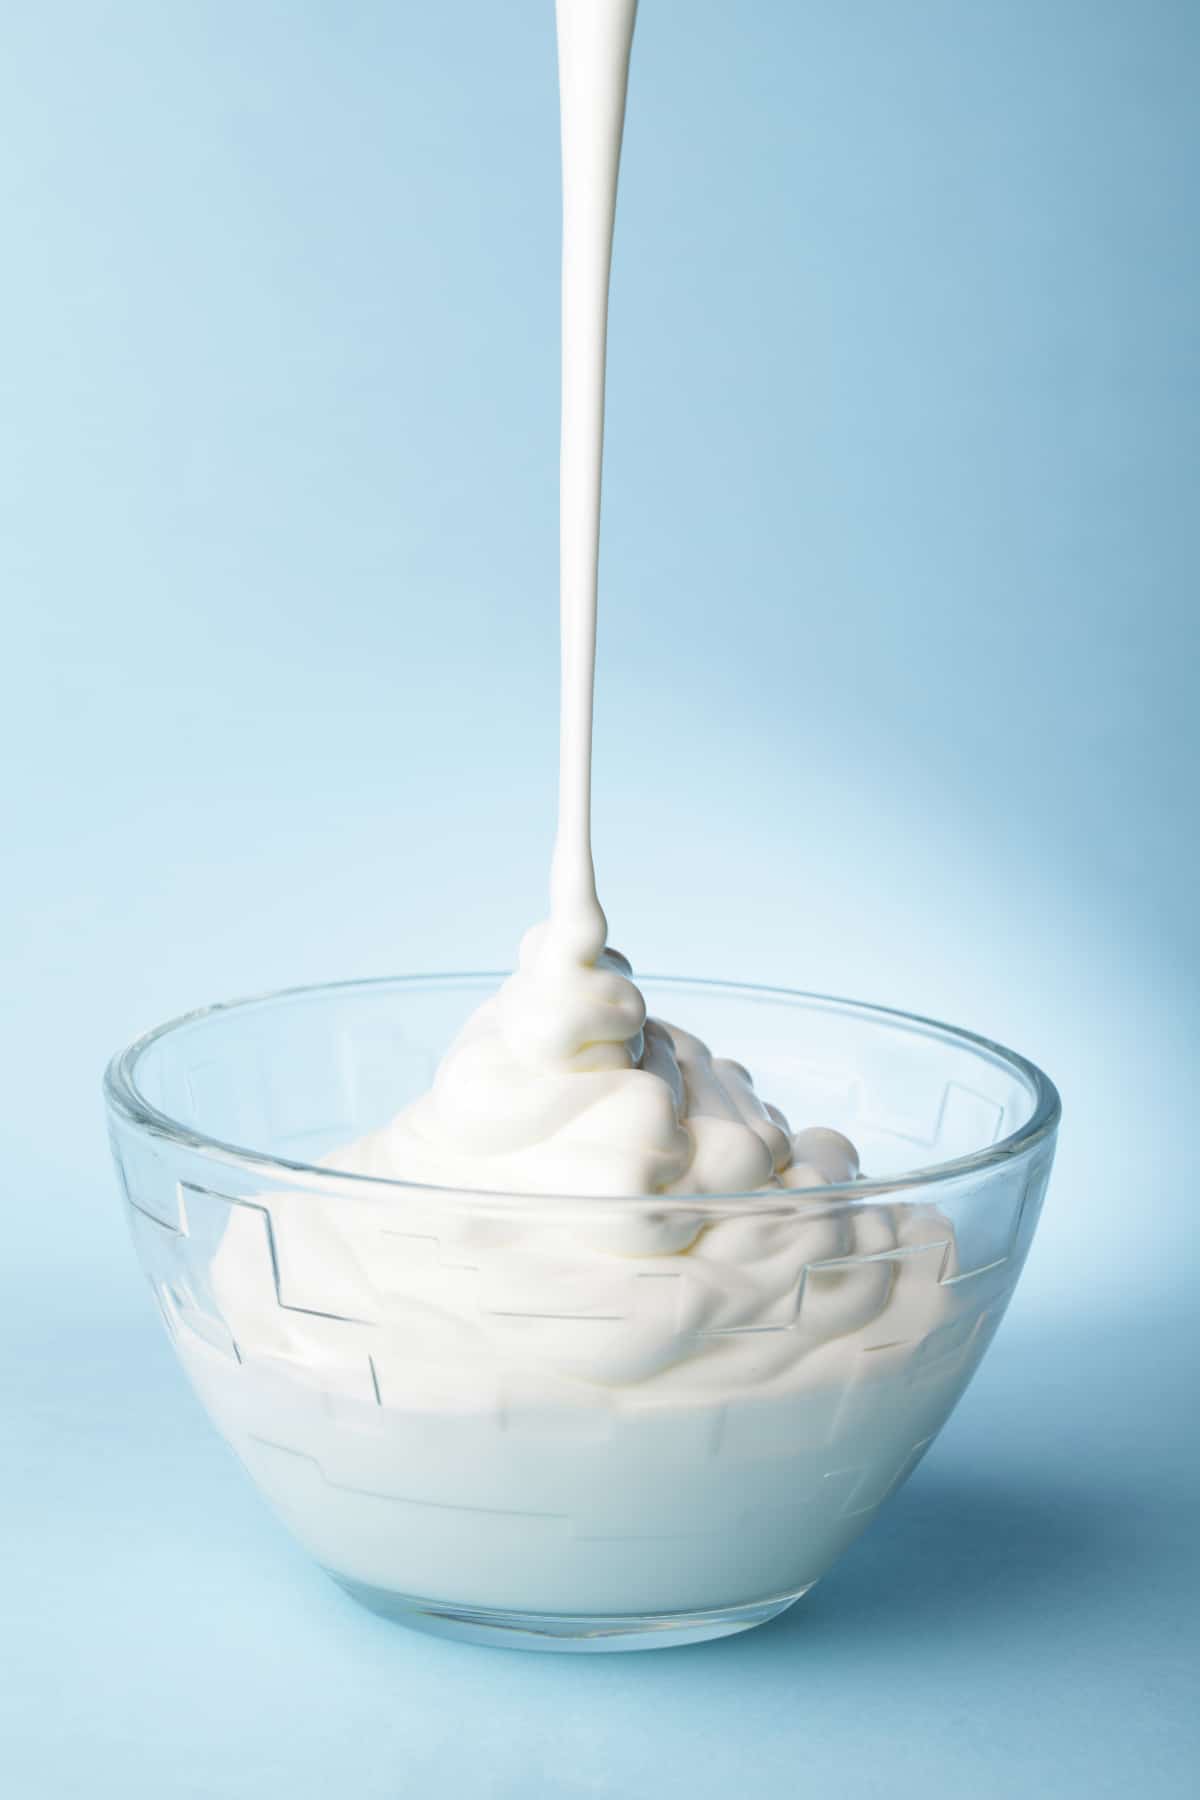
[897, 699]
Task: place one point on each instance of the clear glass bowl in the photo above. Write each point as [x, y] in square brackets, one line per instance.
[433, 1387]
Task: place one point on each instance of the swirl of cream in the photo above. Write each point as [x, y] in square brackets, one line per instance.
[560, 1084]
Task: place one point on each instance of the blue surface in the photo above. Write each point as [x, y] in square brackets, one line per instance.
[904, 410]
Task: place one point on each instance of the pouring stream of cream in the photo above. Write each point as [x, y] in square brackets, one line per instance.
[594, 41]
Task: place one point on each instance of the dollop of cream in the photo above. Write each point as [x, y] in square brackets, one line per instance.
[560, 1084]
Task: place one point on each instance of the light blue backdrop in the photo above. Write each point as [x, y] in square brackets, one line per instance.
[897, 690]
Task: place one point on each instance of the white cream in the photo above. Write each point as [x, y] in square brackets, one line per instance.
[591, 1098]
[591, 1406]
[561, 1084]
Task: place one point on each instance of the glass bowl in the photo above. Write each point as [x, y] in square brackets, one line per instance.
[562, 1422]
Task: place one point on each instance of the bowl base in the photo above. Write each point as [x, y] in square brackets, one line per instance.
[564, 1631]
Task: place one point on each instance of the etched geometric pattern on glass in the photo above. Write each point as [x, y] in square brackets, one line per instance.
[178, 1226]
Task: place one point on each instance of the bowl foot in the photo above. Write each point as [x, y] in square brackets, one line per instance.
[564, 1631]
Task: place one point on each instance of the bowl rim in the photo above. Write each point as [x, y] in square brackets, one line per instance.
[126, 1100]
